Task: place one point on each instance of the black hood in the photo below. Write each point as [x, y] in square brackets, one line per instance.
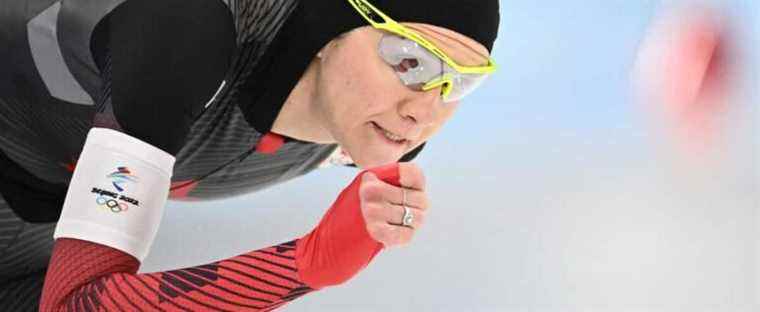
[314, 23]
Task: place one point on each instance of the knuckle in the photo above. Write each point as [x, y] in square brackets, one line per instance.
[370, 191]
[373, 212]
[375, 188]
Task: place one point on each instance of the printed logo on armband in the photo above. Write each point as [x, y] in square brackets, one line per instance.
[117, 201]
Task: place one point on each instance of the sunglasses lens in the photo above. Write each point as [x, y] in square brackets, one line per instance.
[411, 62]
[417, 68]
[464, 84]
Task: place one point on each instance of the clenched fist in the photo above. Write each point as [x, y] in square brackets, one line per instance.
[382, 205]
[366, 216]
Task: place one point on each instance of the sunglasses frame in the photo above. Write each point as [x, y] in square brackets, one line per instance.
[445, 81]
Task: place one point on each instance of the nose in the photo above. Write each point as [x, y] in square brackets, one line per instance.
[420, 109]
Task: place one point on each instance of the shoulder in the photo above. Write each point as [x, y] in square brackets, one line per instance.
[166, 60]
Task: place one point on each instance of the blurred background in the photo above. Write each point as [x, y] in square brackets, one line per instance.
[556, 187]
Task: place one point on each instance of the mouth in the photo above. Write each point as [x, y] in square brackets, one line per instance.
[388, 136]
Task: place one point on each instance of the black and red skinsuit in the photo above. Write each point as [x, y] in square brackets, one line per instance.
[200, 79]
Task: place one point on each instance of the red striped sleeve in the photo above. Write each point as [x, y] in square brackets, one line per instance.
[86, 276]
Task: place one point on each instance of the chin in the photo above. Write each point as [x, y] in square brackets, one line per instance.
[371, 161]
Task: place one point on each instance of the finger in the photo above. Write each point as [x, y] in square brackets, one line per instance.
[392, 235]
[372, 189]
[394, 215]
[376, 190]
[400, 195]
[411, 176]
[369, 176]
[412, 198]
[386, 213]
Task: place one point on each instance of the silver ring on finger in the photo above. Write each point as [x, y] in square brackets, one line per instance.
[408, 218]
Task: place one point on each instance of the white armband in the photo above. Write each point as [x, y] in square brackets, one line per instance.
[117, 194]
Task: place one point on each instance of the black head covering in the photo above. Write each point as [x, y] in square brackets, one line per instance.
[477, 19]
[313, 23]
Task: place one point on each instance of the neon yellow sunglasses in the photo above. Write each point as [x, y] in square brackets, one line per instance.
[455, 80]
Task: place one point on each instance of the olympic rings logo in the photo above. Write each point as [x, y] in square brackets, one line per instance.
[111, 204]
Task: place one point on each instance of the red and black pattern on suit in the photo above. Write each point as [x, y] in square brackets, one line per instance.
[99, 278]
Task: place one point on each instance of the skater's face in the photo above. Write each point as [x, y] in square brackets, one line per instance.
[374, 115]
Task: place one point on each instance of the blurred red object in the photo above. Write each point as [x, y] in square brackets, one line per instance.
[682, 72]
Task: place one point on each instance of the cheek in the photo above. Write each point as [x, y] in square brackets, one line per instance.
[357, 89]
